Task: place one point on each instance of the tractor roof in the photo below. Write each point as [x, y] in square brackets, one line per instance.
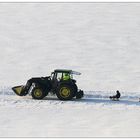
[67, 71]
[63, 70]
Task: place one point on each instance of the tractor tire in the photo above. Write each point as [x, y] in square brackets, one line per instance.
[65, 92]
[38, 93]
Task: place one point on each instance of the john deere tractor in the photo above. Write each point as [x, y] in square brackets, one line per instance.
[60, 82]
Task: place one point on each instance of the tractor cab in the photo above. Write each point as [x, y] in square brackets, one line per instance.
[63, 75]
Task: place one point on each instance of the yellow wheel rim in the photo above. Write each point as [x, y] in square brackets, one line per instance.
[38, 93]
[64, 92]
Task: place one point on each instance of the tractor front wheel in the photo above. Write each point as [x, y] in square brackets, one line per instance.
[38, 93]
[65, 92]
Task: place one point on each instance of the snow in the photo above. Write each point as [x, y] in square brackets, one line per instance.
[93, 116]
[100, 40]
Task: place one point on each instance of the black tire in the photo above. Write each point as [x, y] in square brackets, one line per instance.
[38, 93]
[65, 92]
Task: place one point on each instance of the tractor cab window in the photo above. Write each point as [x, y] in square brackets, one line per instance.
[59, 76]
[66, 76]
[52, 75]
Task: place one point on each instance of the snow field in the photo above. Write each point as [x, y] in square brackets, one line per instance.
[100, 40]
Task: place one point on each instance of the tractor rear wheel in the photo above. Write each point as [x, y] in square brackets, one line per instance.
[38, 93]
[65, 92]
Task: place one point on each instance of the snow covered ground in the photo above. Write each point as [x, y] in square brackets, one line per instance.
[100, 40]
[93, 116]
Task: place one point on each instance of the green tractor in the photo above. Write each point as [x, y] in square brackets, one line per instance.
[60, 82]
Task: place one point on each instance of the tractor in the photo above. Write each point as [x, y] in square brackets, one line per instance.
[60, 82]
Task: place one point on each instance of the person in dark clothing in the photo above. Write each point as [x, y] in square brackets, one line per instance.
[116, 97]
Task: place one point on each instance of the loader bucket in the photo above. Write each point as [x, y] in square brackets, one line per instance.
[19, 90]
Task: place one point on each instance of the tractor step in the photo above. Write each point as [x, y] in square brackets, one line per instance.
[79, 94]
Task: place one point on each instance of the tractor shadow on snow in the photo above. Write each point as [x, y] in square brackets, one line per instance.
[96, 100]
[108, 101]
